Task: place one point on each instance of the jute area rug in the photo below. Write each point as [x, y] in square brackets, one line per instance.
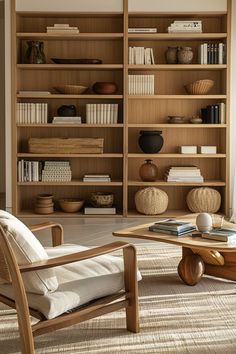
[175, 318]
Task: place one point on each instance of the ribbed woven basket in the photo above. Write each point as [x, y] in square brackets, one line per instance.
[71, 89]
[204, 200]
[200, 87]
[151, 201]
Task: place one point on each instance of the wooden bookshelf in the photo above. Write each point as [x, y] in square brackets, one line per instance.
[105, 36]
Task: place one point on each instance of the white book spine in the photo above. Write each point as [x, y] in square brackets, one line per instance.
[115, 119]
[92, 113]
[109, 121]
[88, 113]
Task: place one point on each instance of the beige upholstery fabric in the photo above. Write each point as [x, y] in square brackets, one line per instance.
[79, 282]
[27, 250]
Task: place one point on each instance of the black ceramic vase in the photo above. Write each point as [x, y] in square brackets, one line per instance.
[150, 141]
[67, 111]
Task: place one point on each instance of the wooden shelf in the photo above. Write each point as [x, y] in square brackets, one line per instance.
[166, 214]
[61, 214]
[61, 96]
[177, 97]
[82, 125]
[70, 36]
[28, 155]
[178, 156]
[169, 67]
[171, 184]
[175, 36]
[181, 126]
[70, 66]
[72, 183]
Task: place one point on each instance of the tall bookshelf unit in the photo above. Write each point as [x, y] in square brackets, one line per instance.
[105, 36]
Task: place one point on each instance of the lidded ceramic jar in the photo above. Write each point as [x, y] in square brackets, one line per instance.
[148, 171]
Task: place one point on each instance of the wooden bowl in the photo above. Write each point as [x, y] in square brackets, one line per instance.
[71, 89]
[105, 88]
[44, 200]
[38, 209]
[71, 205]
[102, 199]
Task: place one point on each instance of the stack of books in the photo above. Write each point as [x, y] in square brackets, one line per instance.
[62, 28]
[212, 53]
[97, 178]
[141, 55]
[142, 30]
[185, 26]
[29, 171]
[214, 114]
[141, 84]
[34, 93]
[188, 174]
[56, 171]
[105, 113]
[32, 113]
[172, 227]
[225, 235]
[104, 211]
[66, 120]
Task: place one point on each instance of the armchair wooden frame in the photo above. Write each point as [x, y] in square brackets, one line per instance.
[11, 272]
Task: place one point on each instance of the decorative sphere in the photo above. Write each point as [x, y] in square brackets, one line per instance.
[204, 222]
[151, 201]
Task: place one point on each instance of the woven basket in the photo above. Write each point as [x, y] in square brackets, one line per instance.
[71, 89]
[200, 87]
[151, 201]
[204, 200]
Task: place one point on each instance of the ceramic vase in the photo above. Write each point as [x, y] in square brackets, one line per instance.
[148, 171]
[35, 53]
[150, 141]
[171, 55]
[185, 55]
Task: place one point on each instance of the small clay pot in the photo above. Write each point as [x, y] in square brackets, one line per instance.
[148, 171]
[105, 88]
[171, 55]
[185, 55]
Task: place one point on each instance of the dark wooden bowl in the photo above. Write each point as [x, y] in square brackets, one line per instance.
[105, 88]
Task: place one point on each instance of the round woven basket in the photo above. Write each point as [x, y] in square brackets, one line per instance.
[204, 200]
[151, 201]
[200, 87]
[71, 89]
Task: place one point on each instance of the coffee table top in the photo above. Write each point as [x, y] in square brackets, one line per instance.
[142, 232]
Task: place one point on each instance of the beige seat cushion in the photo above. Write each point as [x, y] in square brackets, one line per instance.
[27, 250]
[79, 282]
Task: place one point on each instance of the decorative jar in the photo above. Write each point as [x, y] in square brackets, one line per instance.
[148, 171]
[150, 141]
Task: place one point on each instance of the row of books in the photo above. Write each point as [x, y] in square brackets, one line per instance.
[97, 178]
[214, 114]
[44, 171]
[185, 26]
[212, 53]
[189, 174]
[105, 113]
[32, 113]
[67, 120]
[141, 84]
[142, 30]
[62, 28]
[141, 55]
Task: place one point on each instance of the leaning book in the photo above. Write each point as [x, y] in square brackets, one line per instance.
[224, 235]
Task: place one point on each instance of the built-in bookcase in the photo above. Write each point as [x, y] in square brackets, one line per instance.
[105, 36]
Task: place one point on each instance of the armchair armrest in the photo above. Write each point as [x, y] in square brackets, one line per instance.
[56, 229]
[75, 257]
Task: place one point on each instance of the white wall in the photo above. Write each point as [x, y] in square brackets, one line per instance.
[116, 5]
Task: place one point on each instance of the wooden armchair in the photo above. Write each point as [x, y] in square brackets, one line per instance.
[12, 273]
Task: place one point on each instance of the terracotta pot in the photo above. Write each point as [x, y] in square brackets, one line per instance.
[148, 171]
[185, 55]
[171, 55]
[150, 141]
[105, 88]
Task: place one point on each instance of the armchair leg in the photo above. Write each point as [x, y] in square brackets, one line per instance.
[131, 286]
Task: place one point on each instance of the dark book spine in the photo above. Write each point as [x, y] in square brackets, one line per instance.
[204, 115]
[216, 115]
[208, 54]
[210, 114]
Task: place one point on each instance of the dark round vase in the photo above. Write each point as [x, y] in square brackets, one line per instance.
[150, 141]
[67, 111]
[148, 171]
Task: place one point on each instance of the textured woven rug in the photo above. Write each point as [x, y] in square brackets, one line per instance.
[175, 318]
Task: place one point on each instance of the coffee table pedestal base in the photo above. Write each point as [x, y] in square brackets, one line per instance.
[191, 268]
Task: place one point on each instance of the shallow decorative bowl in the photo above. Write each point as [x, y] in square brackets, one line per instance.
[102, 199]
[195, 120]
[71, 89]
[105, 88]
[175, 120]
[200, 87]
[71, 205]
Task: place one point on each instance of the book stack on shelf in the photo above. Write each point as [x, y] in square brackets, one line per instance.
[89, 210]
[214, 114]
[32, 113]
[141, 84]
[172, 227]
[62, 28]
[29, 171]
[97, 178]
[185, 26]
[224, 235]
[34, 93]
[141, 55]
[105, 113]
[56, 171]
[184, 174]
[66, 120]
[212, 53]
[142, 30]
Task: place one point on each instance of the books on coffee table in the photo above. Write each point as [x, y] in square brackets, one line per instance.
[172, 227]
[225, 235]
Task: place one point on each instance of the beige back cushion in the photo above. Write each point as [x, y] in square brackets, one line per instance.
[28, 249]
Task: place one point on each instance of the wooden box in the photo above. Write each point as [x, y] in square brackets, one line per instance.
[66, 145]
